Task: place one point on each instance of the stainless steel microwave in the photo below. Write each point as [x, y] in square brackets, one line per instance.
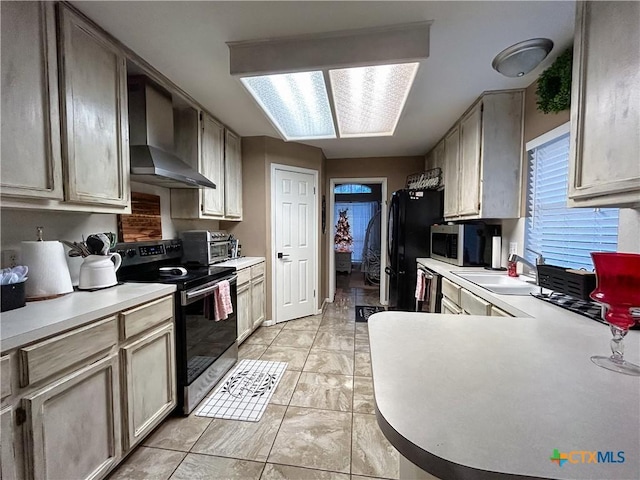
[463, 245]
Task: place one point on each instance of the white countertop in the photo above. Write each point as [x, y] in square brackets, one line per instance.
[240, 263]
[38, 320]
[518, 305]
[475, 397]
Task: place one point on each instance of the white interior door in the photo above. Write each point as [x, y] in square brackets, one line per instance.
[295, 244]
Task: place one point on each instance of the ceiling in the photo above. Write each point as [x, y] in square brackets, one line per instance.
[186, 41]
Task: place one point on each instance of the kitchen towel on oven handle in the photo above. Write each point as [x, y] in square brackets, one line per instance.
[420, 285]
[223, 304]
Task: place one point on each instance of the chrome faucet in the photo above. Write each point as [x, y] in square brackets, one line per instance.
[539, 261]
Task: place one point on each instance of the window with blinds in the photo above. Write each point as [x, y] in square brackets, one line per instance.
[564, 236]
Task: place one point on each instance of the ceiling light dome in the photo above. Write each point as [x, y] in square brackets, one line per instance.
[519, 59]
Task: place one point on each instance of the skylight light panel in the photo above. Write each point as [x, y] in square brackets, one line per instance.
[296, 103]
[370, 100]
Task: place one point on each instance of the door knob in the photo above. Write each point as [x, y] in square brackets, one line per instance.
[282, 255]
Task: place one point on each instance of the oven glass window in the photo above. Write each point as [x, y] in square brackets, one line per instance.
[218, 250]
[205, 338]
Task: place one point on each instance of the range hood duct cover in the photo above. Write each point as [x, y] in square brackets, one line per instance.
[151, 139]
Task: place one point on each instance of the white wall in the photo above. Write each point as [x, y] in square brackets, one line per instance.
[20, 225]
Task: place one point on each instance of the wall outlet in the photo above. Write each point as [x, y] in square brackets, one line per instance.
[9, 258]
[513, 247]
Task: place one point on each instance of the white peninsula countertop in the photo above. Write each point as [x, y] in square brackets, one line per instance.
[478, 397]
[39, 320]
[241, 262]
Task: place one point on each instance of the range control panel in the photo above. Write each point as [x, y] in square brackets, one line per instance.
[134, 253]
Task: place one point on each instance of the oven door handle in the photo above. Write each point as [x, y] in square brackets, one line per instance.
[427, 274]
[201, 292]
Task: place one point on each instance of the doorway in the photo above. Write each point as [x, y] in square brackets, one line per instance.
[357, 257]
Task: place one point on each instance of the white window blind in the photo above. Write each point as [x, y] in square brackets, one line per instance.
[564, 236]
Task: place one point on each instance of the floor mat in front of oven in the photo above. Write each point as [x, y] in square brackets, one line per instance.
[245, 393]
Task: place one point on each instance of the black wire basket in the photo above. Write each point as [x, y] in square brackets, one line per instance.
[576, 283]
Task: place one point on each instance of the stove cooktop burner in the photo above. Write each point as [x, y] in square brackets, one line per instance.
[192, 278]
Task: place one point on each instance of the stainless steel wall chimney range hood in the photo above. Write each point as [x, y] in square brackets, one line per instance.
[151, 139]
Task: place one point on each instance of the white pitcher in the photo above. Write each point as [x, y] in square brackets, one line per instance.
[99, 271]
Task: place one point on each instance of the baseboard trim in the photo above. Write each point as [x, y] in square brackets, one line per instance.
[321, 309]
[268, 323]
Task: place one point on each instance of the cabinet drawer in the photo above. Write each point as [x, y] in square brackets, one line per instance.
[451, 291]
[257, 270]
[244, 276]
[145, 316]
[5, 377]
[497, 312]
[473, 304]
[47, 358]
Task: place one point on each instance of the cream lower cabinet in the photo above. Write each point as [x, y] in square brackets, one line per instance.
[149, 380]
[460, 301]
[604, 169]
[8, 466]
[257, 302]
[89, 395]
[448, 307]
[73, 424]
[251, 300]
[244, 311]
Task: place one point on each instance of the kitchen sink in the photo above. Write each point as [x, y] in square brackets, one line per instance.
[500, 283]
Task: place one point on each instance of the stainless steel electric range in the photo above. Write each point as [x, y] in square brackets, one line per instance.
[205, 349]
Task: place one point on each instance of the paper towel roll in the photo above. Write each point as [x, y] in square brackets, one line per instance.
[48, 270]
[496, 252]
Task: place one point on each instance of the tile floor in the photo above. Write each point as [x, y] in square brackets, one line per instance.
[320, 423]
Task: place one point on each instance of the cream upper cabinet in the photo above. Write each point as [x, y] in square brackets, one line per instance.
[605, 106]
[428, 160]
[439, 158]
[203, 143]
[212, 166]
[486, 181]
[232, 176]
[436, 158]
[452, 172]
[79, 413]
[94, 104]
[31, 156]
[469, 182]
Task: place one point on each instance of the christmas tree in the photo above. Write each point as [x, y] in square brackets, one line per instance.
[343, 238]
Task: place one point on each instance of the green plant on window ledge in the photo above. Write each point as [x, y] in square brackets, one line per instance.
[554, 85]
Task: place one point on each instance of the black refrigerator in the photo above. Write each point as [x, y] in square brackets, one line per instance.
[411, 214]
